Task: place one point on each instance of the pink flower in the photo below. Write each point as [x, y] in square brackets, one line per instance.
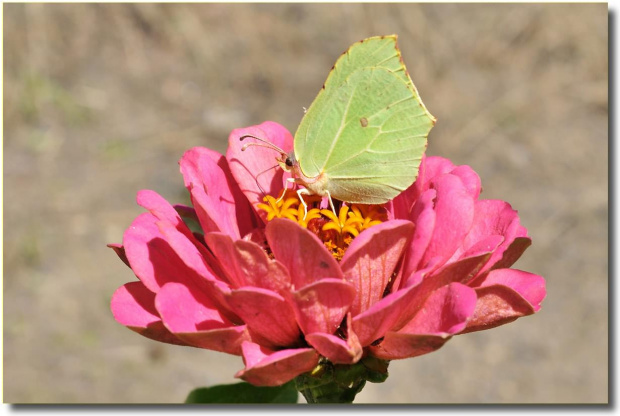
[392, 282]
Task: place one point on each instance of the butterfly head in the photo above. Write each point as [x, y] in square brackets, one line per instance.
[287, 161]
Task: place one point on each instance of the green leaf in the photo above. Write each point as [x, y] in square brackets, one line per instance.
[244, 393]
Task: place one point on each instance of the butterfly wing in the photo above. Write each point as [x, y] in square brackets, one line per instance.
[366, 130]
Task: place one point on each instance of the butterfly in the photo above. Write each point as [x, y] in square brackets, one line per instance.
[364, 135]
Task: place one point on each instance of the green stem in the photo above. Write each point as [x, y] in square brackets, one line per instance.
[333, 383]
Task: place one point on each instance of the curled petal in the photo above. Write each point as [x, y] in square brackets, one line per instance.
[454, 208]
[393, 311]
[470, 179]
[444, 314]
[371, 259]
[336, 349]
[424, 217]
[505, 295]
[219, 204]
[133, 305]
[120, 252]
[162, 210]
[301, 252]
[497, 218]
[267, 315]
[255, 169]
[192, 317]
[430, 168]
[150, 256]
[247, 264]
[264, 367]
[321, 306]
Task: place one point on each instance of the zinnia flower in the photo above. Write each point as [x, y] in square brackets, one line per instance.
[245, 272]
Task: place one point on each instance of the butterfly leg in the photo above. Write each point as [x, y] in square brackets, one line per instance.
[285, 189]
[331, 203]
[300, 192]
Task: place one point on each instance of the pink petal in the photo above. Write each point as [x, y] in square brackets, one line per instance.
[226, 340]
[336, 349]
[264, 367]
[301, 252]
[505, 295]
[247, 264]
[396, 345]
[454, 208]
[396, 309]
[424, 217]
[493, 217]
[133, 305]
[193, 270]
[444, 314]
[470, 179]
[218, 206]
[321, 306]
[431, 168]
[192, 317]
[120, 252]
[256, 169]
[150, 256]
[381, 317]
[371, 259]
[267, 315]
[512, 253]
[162, 210]
[186, 309]
[165, 212]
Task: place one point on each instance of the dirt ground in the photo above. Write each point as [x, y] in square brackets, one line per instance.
[101, 100]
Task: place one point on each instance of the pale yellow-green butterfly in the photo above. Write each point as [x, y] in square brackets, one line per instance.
[363, 137]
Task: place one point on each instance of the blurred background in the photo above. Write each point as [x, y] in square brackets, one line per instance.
[101, 100]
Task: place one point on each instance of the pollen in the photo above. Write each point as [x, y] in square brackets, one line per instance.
[335, 231]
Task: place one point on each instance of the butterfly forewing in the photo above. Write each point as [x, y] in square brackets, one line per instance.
[366, 130]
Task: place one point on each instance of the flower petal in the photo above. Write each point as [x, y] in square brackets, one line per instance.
[394, 311]
[193, 318]
[256, 169]
[493, 217]
[454, 208]
[424, 217]
[193, 270]
[470, 179]
[264, 367]
[149, 254]
[301, 252]
[336, 349]
[321, 306]
[166, 213]
[444, 314]
[505, 295]
[267, 315]
[371, 259]
[162, 210]
[219, 204]
[120, 252]
[133, 305]
[247, 264]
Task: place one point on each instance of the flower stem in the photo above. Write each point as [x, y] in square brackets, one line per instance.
[334, 383]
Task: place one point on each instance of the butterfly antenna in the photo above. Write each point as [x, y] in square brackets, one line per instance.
[264, 143]
[258, 184]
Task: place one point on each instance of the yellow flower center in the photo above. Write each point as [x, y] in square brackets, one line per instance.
[336, 231]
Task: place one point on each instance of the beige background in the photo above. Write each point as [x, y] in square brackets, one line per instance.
[101, 101]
